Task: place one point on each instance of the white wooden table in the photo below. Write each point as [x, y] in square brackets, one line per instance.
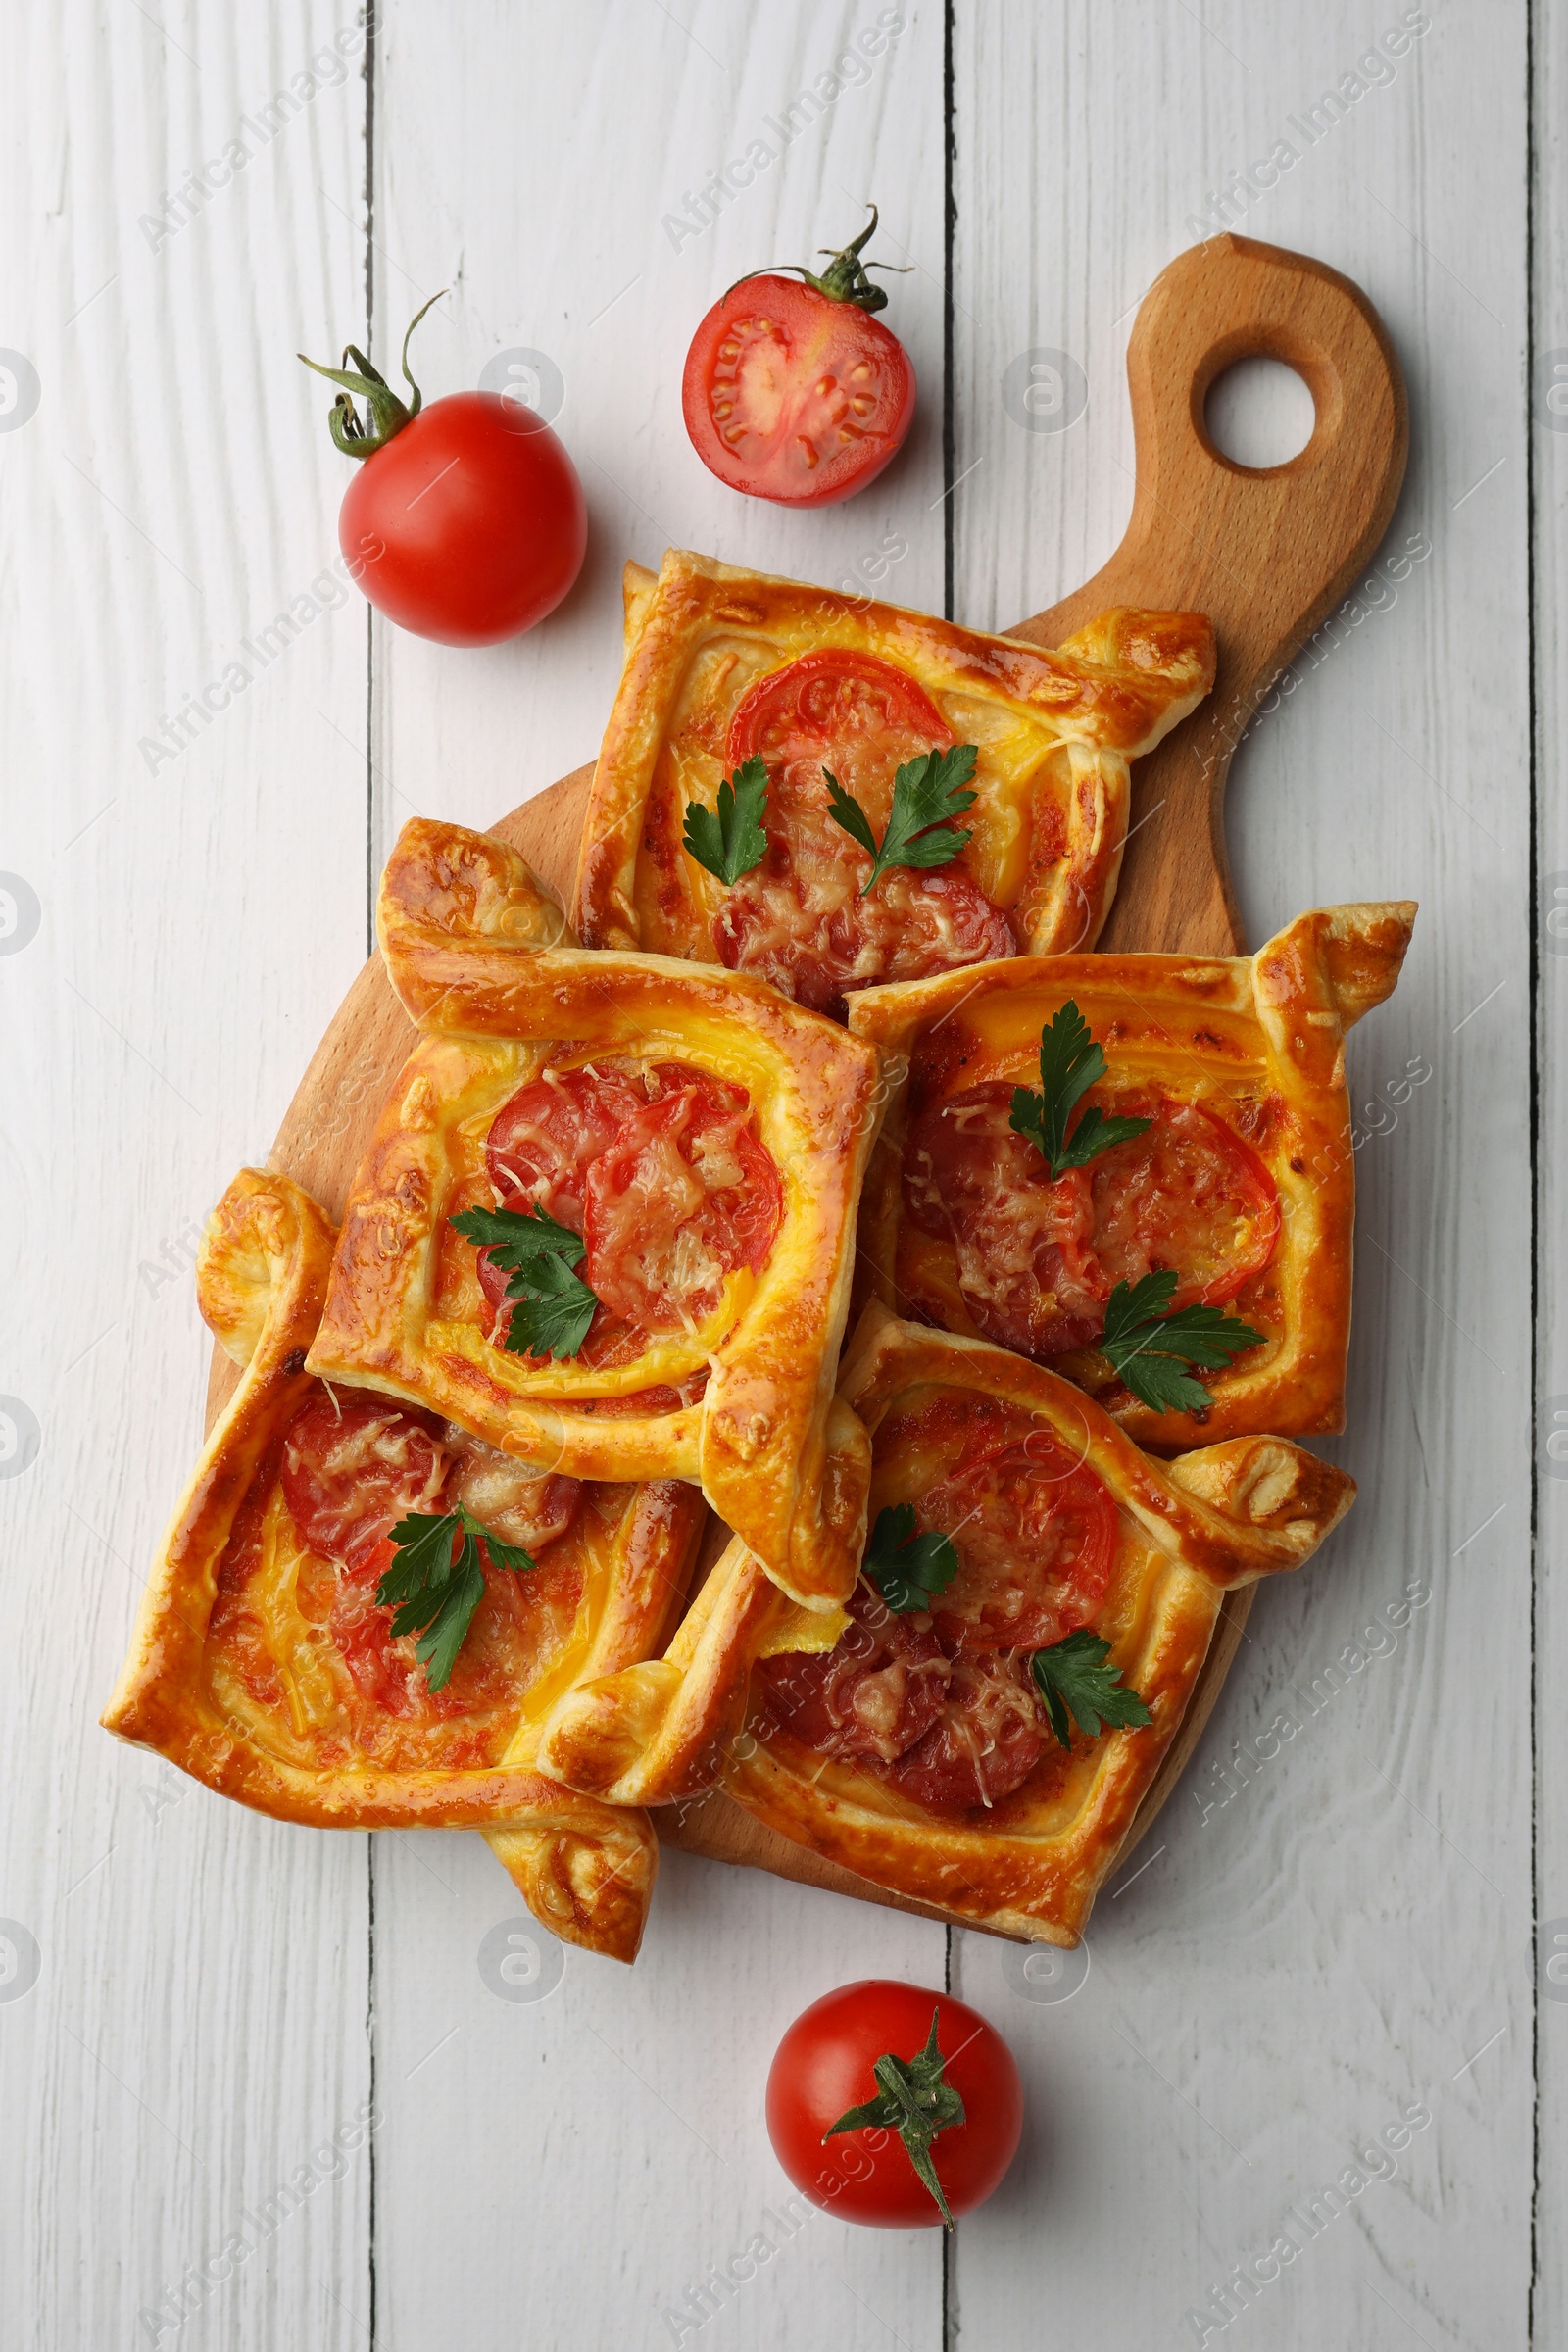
[1332, 1926]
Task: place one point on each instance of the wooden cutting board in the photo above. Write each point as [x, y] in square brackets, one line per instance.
[1266, 555]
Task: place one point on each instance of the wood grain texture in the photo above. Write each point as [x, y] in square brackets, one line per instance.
[197, 2029]
[635, 2158]
[1325, 1925]
[1266, 555]
[1548, 427]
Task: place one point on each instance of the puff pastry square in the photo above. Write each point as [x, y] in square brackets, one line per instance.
[261, 1667]
[720, 661]
[739, 1399]
[1175, 1538]
[1239, 1064]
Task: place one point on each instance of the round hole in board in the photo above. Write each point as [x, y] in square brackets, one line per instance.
[1259, 412]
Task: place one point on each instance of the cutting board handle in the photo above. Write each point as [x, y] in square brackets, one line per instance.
[1265, 552]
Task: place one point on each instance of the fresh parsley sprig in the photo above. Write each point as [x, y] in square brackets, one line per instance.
[517, 1234]
[1070, 1063]
[1072, 1677]
[928, 796]
[915, 2102]
[552, 1307]
[731, 843]
[434, 1590]
[908, 1569]
[1149, 1345]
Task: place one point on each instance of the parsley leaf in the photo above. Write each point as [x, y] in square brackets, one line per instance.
[731, 843]
[1147, 1345]
[908, 1569]
[928, 795]
[502, 1556]
[1070, 1063]
[1072, 1675]
[915, 2102]
[515, 1234]
[435, 1594]
[552, 1307]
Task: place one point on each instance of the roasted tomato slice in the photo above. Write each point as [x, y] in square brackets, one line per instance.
[493, 1667]
[354, 1465]
[349, 1472]
[1034, 1529]
[660, 1169]
[685, 1195]
[546, 1137]
[1037, 1260]
[1025, 1247]
[874, 1696]
[984, 1745]
[941, 1704]
[794, 397]
[518, 1503]
[798, 918]
[1187, 1194]
[855, 713]
[945, 1731]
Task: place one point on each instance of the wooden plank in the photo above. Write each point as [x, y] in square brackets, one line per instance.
[1298, 1961]
[634, 2096]
[196, 2031]
[1549, 432]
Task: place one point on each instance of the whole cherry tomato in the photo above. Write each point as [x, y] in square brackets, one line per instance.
[795, 393]
[893, 2106]
[466, 522]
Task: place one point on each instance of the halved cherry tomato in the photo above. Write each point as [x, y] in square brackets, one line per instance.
[467, 521]
[793, 392]
[824, 2067]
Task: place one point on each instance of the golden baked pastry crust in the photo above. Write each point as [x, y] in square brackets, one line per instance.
[1257, 1042]
[660, 1731]
[585, 1869]
[1055, 733]
[776, 1454]
[1189, 1529]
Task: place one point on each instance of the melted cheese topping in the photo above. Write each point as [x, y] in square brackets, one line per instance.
[878, 1701]
[983, 1698]
[314, 1692]
[274, 1670]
